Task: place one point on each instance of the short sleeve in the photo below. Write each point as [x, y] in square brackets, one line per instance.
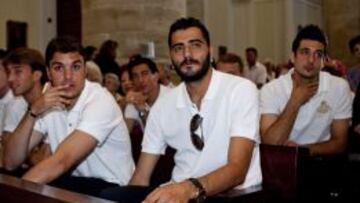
[15, 111]
[153, 141]
[245, 111]
[100, 117]
[343, 107]
[268, 100]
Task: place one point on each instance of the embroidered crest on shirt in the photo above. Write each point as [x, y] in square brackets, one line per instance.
[323, 108]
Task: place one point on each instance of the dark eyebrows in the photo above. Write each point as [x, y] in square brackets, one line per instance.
[190, 41]
[60, 63]
[197, 40]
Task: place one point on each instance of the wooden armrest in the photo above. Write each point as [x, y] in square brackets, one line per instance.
[14, 190]
[251, 194]
[280, 167]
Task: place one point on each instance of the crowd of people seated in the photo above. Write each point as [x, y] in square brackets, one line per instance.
[68, 118]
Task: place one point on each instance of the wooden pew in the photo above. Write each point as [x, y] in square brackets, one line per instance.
[15, 190]
[282, 168]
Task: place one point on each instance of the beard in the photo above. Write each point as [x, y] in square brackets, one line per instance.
[196, 76]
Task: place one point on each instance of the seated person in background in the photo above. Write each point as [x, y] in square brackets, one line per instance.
[145, 77]
[165, 75]
[254, 70]
[112, 83]
[93, 70]
[354, 141]
[230, 63]
[334, 67]
[210, 119]
[83, 126]
[356, 112]
[126, 86]
[307, 107]
[27, 77]
[353, 74]
[94, 74]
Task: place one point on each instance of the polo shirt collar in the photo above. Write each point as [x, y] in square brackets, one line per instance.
[324, 81]
[183, 99]
[79, 103]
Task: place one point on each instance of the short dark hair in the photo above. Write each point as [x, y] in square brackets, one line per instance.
[311, 32]
[252, 49]
[231, 58]
[185, 23]
[88, 52]
[137, 60]
[353, 42]
[64, 44]
[3, 53]
[28, 56]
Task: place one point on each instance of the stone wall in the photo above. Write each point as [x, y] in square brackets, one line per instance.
[341, 22]
[131, 23]
[135, 23]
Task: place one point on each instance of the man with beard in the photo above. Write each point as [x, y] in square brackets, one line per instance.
[307, 107]
[210, 119]
[82, 123]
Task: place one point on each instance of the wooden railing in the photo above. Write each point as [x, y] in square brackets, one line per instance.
[15, 190]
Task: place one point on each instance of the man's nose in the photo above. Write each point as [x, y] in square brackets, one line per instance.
[187, 51]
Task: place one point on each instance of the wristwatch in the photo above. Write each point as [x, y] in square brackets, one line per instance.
[32, 114]
[201, 190]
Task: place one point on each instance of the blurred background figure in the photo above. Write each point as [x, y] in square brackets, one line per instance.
[126, 86]
[270, 70]
[334, 67]
[112, 83]
[106, 58]
[255, 71]
[230, 63]
[94, 73]
[353, 74]
[165, 75]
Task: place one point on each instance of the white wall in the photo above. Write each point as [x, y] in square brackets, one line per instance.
[33, 12]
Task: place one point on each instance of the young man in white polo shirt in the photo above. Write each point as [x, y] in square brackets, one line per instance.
[211, 120]
[307, 107]
[26, 76]
[83, 124]
[145, 76]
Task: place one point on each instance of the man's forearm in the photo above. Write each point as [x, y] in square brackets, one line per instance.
[46, 171]
[144, 169]
[223, 178]
[17, 144]
[327, 148]
[278, 132]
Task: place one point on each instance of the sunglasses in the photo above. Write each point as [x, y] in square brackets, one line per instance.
[198, 141]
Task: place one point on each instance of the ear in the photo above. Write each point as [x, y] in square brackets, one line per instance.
[292, 58]
[37, 75]
[155, 76]
[48, 74]
[211, 51]
[85, 68]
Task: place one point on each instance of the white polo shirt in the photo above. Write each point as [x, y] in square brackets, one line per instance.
[229, 109]
[256, 73]
[97, 114]
[14, 114]
[312, 125]
[4, 101]
[132, 113]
